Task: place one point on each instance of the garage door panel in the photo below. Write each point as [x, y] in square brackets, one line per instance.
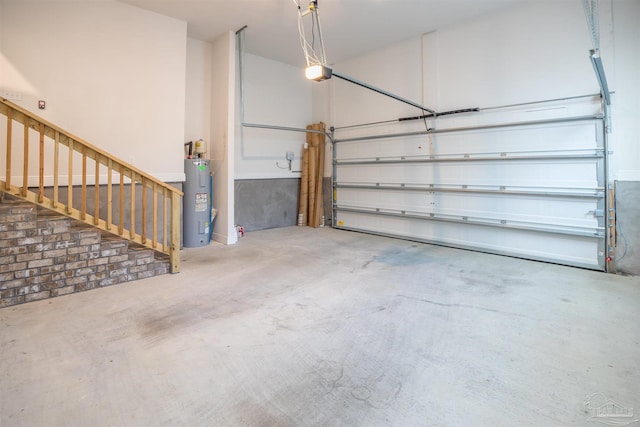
[579, 251]
[575, 137]
[559, 174]
[578, 212]
[528, 190]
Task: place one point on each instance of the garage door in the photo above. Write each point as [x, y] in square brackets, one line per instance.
[525, 181]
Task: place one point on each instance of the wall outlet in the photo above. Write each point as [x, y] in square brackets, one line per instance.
[290, 155]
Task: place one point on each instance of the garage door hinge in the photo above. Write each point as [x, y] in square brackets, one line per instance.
[598, 213]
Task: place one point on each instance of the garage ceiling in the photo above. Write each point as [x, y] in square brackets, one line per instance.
[349, 27]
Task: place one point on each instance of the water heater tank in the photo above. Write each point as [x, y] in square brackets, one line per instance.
[196, 218]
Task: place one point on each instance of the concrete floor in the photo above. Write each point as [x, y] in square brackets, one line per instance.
[320, 327]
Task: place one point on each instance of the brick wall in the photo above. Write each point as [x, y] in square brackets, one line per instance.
[44, 255]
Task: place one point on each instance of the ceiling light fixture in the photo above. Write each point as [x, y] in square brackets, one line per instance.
[317, 68]
[318, 72]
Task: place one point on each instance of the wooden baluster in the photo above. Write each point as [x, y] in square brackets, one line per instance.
[121, 207]
[155, 215]
[174, 250]
[25, 169]
[165, 219]
[9, 137]
[41, 166]
[144, 211]
[109, 193]
[132, 231]
[56, 168]
[83, 200]
[96, 205]
[70, 179]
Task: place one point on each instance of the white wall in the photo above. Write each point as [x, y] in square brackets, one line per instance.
[274, 94]
[528, 52]
[396, 69]
[198, 91]
[626, 76]
[534, 51]
[222, 137]
[111, 74]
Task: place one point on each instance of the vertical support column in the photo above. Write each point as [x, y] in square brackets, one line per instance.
[320, 141]
[25, 169]
[144, 211]
[609, 193]
[70, 179]
[41, 165]
[56, 168]
[155, 215]
[121, 204]
[174, 250]
[605, 251]
[83, 199]
[109, 193]
[132, 207]
[96, 204]
[334, 179]
[165, 219]
[9, 137]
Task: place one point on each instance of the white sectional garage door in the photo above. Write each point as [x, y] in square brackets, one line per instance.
[525, 181]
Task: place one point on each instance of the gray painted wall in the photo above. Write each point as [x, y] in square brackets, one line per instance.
[266, 203]
[628, 227]
[272, 203]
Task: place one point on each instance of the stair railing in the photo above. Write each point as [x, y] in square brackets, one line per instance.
[150, 202]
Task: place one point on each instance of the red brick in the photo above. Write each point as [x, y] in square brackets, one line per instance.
[7, 293]
[145, 274]
[27, 273]
[65, 290]
[75, 265]
[13, 267]
[84, 271]
[13, 250]
[6, 302]
[77, 250]
[85, 286]
[12, 283]
[88, 255]
[62, 275]
[40, 247]
[40, 263]
[7, 259]
[37, 296]
[55, 253]
[23, 209]
[19, 217]
[76, 280]
[56, 268]
[29, 289]
[28, 240]
[20, 234]
[38, 280]
[97, 261]
[29, 257]
[118, 258]
[25, 225]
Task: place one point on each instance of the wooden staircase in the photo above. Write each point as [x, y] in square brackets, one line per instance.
[93, 190]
